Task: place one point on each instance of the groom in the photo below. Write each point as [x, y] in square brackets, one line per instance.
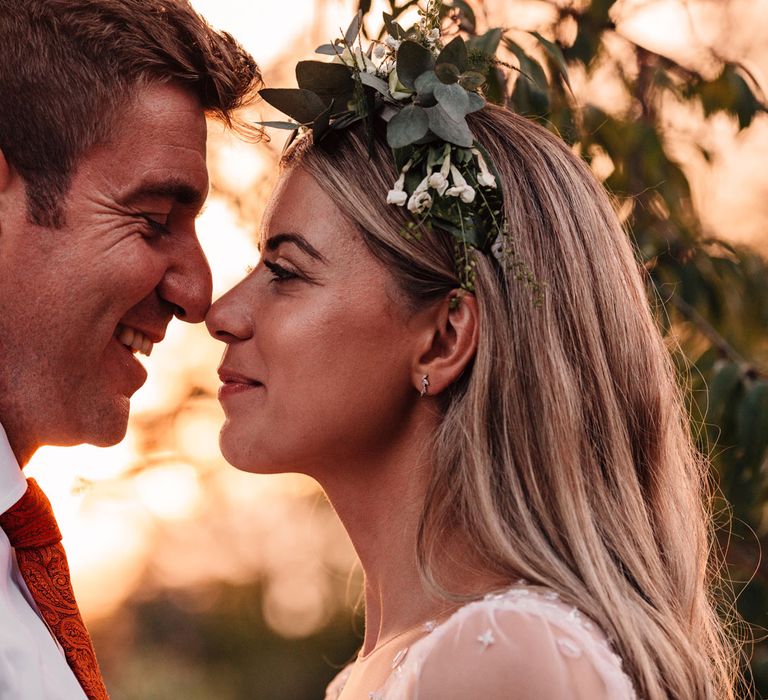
[102, 174]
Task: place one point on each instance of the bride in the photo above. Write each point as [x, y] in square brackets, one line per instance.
[493, 414]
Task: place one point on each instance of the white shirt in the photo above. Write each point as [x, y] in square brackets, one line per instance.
[32, 663]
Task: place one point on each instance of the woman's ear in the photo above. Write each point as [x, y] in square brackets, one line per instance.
[452, 345]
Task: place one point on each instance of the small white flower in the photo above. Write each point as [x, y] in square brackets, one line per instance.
[393, 43]
[438, 181]
[397, 197]
[356, 60]
[420, 201]
[485, 178]
[460, 187]
[434, 35]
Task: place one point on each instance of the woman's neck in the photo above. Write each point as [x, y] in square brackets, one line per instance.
[380, 500]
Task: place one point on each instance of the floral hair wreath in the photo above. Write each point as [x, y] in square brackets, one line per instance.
[424, 91]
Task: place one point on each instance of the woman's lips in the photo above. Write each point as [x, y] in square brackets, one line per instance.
[235, 383]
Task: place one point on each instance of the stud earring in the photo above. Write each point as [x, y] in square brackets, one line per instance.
[424, 385]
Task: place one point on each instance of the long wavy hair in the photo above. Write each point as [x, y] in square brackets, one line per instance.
[564, 453]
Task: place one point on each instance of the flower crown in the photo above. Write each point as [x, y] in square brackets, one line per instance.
[424, 92]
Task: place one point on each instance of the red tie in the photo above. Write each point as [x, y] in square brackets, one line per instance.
[31, 528]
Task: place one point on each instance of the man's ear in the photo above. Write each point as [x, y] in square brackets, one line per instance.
[452, 345]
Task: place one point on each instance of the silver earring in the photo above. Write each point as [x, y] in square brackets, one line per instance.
[424, 385]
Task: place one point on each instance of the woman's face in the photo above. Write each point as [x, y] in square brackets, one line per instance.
[318, 364]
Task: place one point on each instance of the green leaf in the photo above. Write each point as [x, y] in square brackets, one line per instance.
[721, 389]
[302, 105]
[413, 60]
[328, 50]
[425, 89]
[353, 30]
[288, 126]
[555, 53]
[530, 69]
[325, 79]
[321, 124]
[488, 42]
[442, 126]
[752, 423]
[476, 102]
[447, 73]
[407, 126]
[374, 82]
[471, 80]
[454, 53]
[454, 100]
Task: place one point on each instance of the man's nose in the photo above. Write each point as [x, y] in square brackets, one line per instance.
[187, 284]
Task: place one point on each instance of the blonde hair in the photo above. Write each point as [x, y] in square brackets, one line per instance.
[564, 453]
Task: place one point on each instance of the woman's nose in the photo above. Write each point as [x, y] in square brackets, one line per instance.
[229, 318]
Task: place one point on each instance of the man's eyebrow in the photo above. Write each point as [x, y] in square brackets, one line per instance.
[274, 242]
[177, 190]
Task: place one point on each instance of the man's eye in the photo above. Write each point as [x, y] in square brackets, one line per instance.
[158, 228]
[279, 273]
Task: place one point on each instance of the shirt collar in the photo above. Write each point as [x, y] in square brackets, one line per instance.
[12, 481]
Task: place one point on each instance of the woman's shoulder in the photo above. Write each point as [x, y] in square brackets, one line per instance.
[521, 643]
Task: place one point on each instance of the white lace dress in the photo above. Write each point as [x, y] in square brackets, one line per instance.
[522, 644]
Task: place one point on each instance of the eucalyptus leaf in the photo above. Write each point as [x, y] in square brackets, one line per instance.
[413, 60]
[321, 124]
[471, 80]
[447, 73]
[476, 102]
[302, 105]
[354, 29]
[454, 100]
[455, 53]
[332, 79]
[426, 83]
[375, 82]
[441, 124]
[407, 127]
[327, 50]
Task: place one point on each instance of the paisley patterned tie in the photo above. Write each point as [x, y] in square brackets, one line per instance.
[31, 528]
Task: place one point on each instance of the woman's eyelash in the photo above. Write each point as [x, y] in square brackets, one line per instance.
[279, 273]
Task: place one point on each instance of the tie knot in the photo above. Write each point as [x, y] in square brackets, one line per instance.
[30, 521]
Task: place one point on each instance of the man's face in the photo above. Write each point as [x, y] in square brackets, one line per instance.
[126, 260]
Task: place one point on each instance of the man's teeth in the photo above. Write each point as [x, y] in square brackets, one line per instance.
[135, 340]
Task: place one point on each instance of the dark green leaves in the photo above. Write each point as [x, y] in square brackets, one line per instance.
[445, 127]
[455, 53]
[302, 105]
[325, 79]
[413, 60]
[408, 126]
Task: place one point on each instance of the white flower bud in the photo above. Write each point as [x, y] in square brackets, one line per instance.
[434, 35]
[419, 202]
[438, 181]
[397, 197]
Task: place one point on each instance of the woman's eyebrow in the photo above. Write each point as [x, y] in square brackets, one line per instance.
[274, 242]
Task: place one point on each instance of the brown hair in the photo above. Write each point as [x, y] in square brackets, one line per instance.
[68, 66]
[564, 454]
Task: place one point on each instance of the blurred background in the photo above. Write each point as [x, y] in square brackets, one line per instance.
[200, 581]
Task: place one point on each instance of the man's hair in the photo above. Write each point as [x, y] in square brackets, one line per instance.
[67, 67]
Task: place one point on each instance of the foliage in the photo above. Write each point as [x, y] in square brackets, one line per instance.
[714, 296]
